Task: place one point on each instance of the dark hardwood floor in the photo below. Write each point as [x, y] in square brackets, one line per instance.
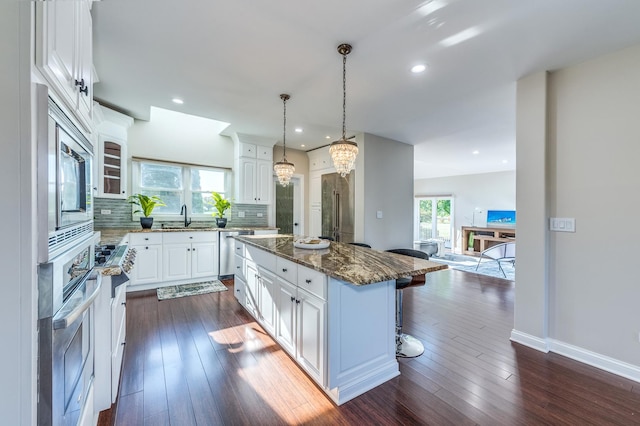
[202, 360]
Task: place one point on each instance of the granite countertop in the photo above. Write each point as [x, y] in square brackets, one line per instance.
[346, 262]
[115, 235]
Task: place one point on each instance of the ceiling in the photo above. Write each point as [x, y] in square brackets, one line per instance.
[230, 61]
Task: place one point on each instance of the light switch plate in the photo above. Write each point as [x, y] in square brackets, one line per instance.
[562, 224]
[379, 214]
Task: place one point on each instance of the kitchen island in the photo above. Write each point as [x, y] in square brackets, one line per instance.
[332, 309]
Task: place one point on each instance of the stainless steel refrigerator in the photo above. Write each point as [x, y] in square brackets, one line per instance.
[338, 198]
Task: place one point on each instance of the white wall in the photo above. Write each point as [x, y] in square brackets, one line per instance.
[173, 136]
[486, 191]
[387, 187]
[17, 262]
[592, 163]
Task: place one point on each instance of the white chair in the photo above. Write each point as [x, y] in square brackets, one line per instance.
[505, 252]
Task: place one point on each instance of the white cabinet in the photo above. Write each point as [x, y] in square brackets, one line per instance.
[64, 55]
[266, 288]
[112, 128]
[109, 344]
[148, 267]
[254, 173]
[112, 167]
[187, 255]
[310, 348]
[169, 258]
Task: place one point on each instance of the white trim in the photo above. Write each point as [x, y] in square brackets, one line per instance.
[298, 198]
[603, 362]
[529, 340]
[597, 360]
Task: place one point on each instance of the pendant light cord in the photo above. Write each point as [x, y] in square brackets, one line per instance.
[344, 96]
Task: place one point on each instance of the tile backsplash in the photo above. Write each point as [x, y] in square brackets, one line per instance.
[121, 216]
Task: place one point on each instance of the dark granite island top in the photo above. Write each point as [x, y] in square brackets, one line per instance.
[346, 262]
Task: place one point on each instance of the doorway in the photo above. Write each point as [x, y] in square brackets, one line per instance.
[288, 207]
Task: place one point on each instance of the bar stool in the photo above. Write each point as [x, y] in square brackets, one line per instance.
[361, 245]
[407, 346]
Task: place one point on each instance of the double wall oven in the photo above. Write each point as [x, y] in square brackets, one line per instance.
[67, 285]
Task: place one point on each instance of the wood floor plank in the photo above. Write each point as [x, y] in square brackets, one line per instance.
[205, 360]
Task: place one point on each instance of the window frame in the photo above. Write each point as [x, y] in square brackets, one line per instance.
[186, 193]
[434, 214]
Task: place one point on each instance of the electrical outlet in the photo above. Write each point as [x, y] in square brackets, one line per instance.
[105, 211]
[240, 214]
[259, 215]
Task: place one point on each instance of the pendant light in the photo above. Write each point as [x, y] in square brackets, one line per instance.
[284, 169]
[343, 152]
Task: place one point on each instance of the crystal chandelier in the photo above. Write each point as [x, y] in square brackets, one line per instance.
[284, 169]
[343, 152]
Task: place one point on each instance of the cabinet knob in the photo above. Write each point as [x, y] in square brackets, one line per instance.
[193, 249]
[123, 192]
[237, 267]
[188, 249]
[80, 83]
[146, 248]
[123, 343]
[297, 301]
[124, 303]
[85, 90]
[293, 298]
[146, 239]
[308, 281]
[284, 269]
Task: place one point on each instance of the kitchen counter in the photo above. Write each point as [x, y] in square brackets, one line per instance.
[346, 262]
[115, 235]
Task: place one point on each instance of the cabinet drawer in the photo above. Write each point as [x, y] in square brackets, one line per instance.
[239, 249]
[313, 281]
[145, 238]
[239, 270]
[247, 150]
[264, 152]
[287, 269]
[261, 258]
[189, 237]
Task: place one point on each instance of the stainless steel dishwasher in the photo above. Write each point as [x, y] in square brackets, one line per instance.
[226, 261]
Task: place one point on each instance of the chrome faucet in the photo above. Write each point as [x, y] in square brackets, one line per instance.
[183, 211]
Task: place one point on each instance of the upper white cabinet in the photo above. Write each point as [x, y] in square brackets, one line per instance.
[112, 152]
[64, 55]
[253, 170]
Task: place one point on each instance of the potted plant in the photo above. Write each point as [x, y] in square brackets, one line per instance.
[146, 204]
[221, 204]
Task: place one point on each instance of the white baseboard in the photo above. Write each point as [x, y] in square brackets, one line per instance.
[529, 340]
[597, 360]
[585, 356]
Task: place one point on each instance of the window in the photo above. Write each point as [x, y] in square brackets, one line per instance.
[433, 217]
[178, 184]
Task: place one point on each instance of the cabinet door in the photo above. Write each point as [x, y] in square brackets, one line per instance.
[264, 181]
[203, 260]
[84, 69]
[315, 219]
[147, 265]
[112, 168]
[251, 288]
[247, 180]
[266, 281]
[176, 262]
[57, 50]
[311, 334]
[286, 321]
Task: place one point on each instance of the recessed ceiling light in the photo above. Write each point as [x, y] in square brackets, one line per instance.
[418, 68]
[327, 137]
[177, 101]
[476, 152]
[298, 130]
[302, 146]
[504, 161]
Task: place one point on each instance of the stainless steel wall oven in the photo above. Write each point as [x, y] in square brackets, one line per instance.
[67, 289]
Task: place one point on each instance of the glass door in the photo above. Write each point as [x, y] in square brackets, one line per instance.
[434, 219]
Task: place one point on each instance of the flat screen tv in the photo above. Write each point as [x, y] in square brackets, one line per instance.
[506, 218]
